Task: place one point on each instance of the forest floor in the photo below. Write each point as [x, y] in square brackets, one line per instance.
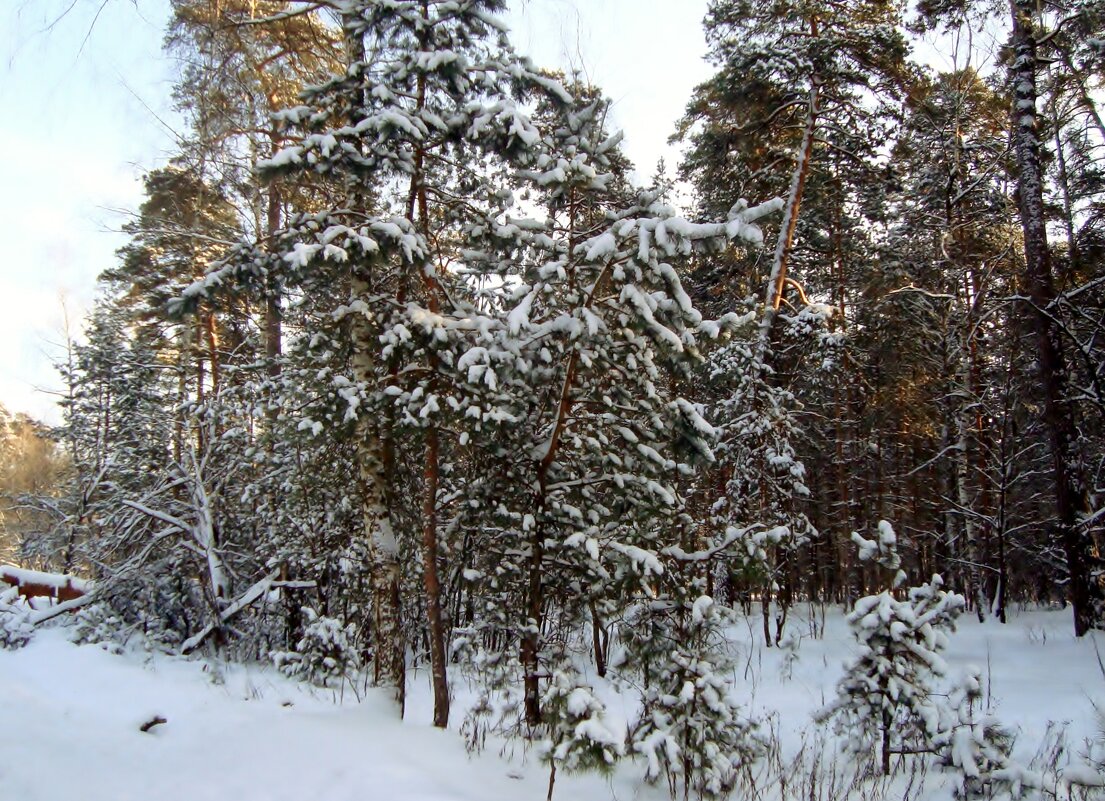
[71, 718]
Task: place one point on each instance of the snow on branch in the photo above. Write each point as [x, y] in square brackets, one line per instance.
[245, 600]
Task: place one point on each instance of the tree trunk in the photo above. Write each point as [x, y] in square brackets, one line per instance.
[531, 637]
[598, 637]
[389, 651]
[432, 469]
[272, 321]
[1071, 498]
[375, 469]
[777, 280]
[211, 333]
[431, 582]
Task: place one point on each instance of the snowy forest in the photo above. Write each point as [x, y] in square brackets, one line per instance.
[408, 383]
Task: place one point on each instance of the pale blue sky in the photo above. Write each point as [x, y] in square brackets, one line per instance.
[76, 142]
[80, 127]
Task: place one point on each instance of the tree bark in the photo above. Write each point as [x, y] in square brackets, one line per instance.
[272, 321]
[432, 469]
[432, 583]
[1071, 497]
[374, 475]
[389, 651]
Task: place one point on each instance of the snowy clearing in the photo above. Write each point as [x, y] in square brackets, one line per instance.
[72, 718]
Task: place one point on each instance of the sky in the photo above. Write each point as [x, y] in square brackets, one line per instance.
[87, 112]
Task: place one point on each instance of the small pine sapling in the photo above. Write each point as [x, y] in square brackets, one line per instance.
[974, 743]
[692, 731]
[579, 736]
[888, 692]
[498, 704]
[326, 653]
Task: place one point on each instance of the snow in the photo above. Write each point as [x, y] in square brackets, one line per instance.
[287, 156]
[72, 717]
[518, 318]
[602, 247]
[301, 255]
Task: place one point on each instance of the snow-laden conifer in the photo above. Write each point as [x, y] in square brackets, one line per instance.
[692, 733]
[760, 515]
[973, 742]
[408, 149]
[582, 432]
[579, 735]
[889, 695]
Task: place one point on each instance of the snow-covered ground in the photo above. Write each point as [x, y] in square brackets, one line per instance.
[70, 720]
[1037, 670]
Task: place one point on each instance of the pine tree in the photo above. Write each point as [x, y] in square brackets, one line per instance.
[1030, 41]
[604, 315]
[691, 730]
[761, 508]
[974, 742]
[428, 101]
[579, 737]
[785, 93]
[240, 63]
[888, 693]
[946, 263]
[795, 84]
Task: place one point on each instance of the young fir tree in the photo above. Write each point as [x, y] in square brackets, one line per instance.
[118, 419]
[600, 440]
